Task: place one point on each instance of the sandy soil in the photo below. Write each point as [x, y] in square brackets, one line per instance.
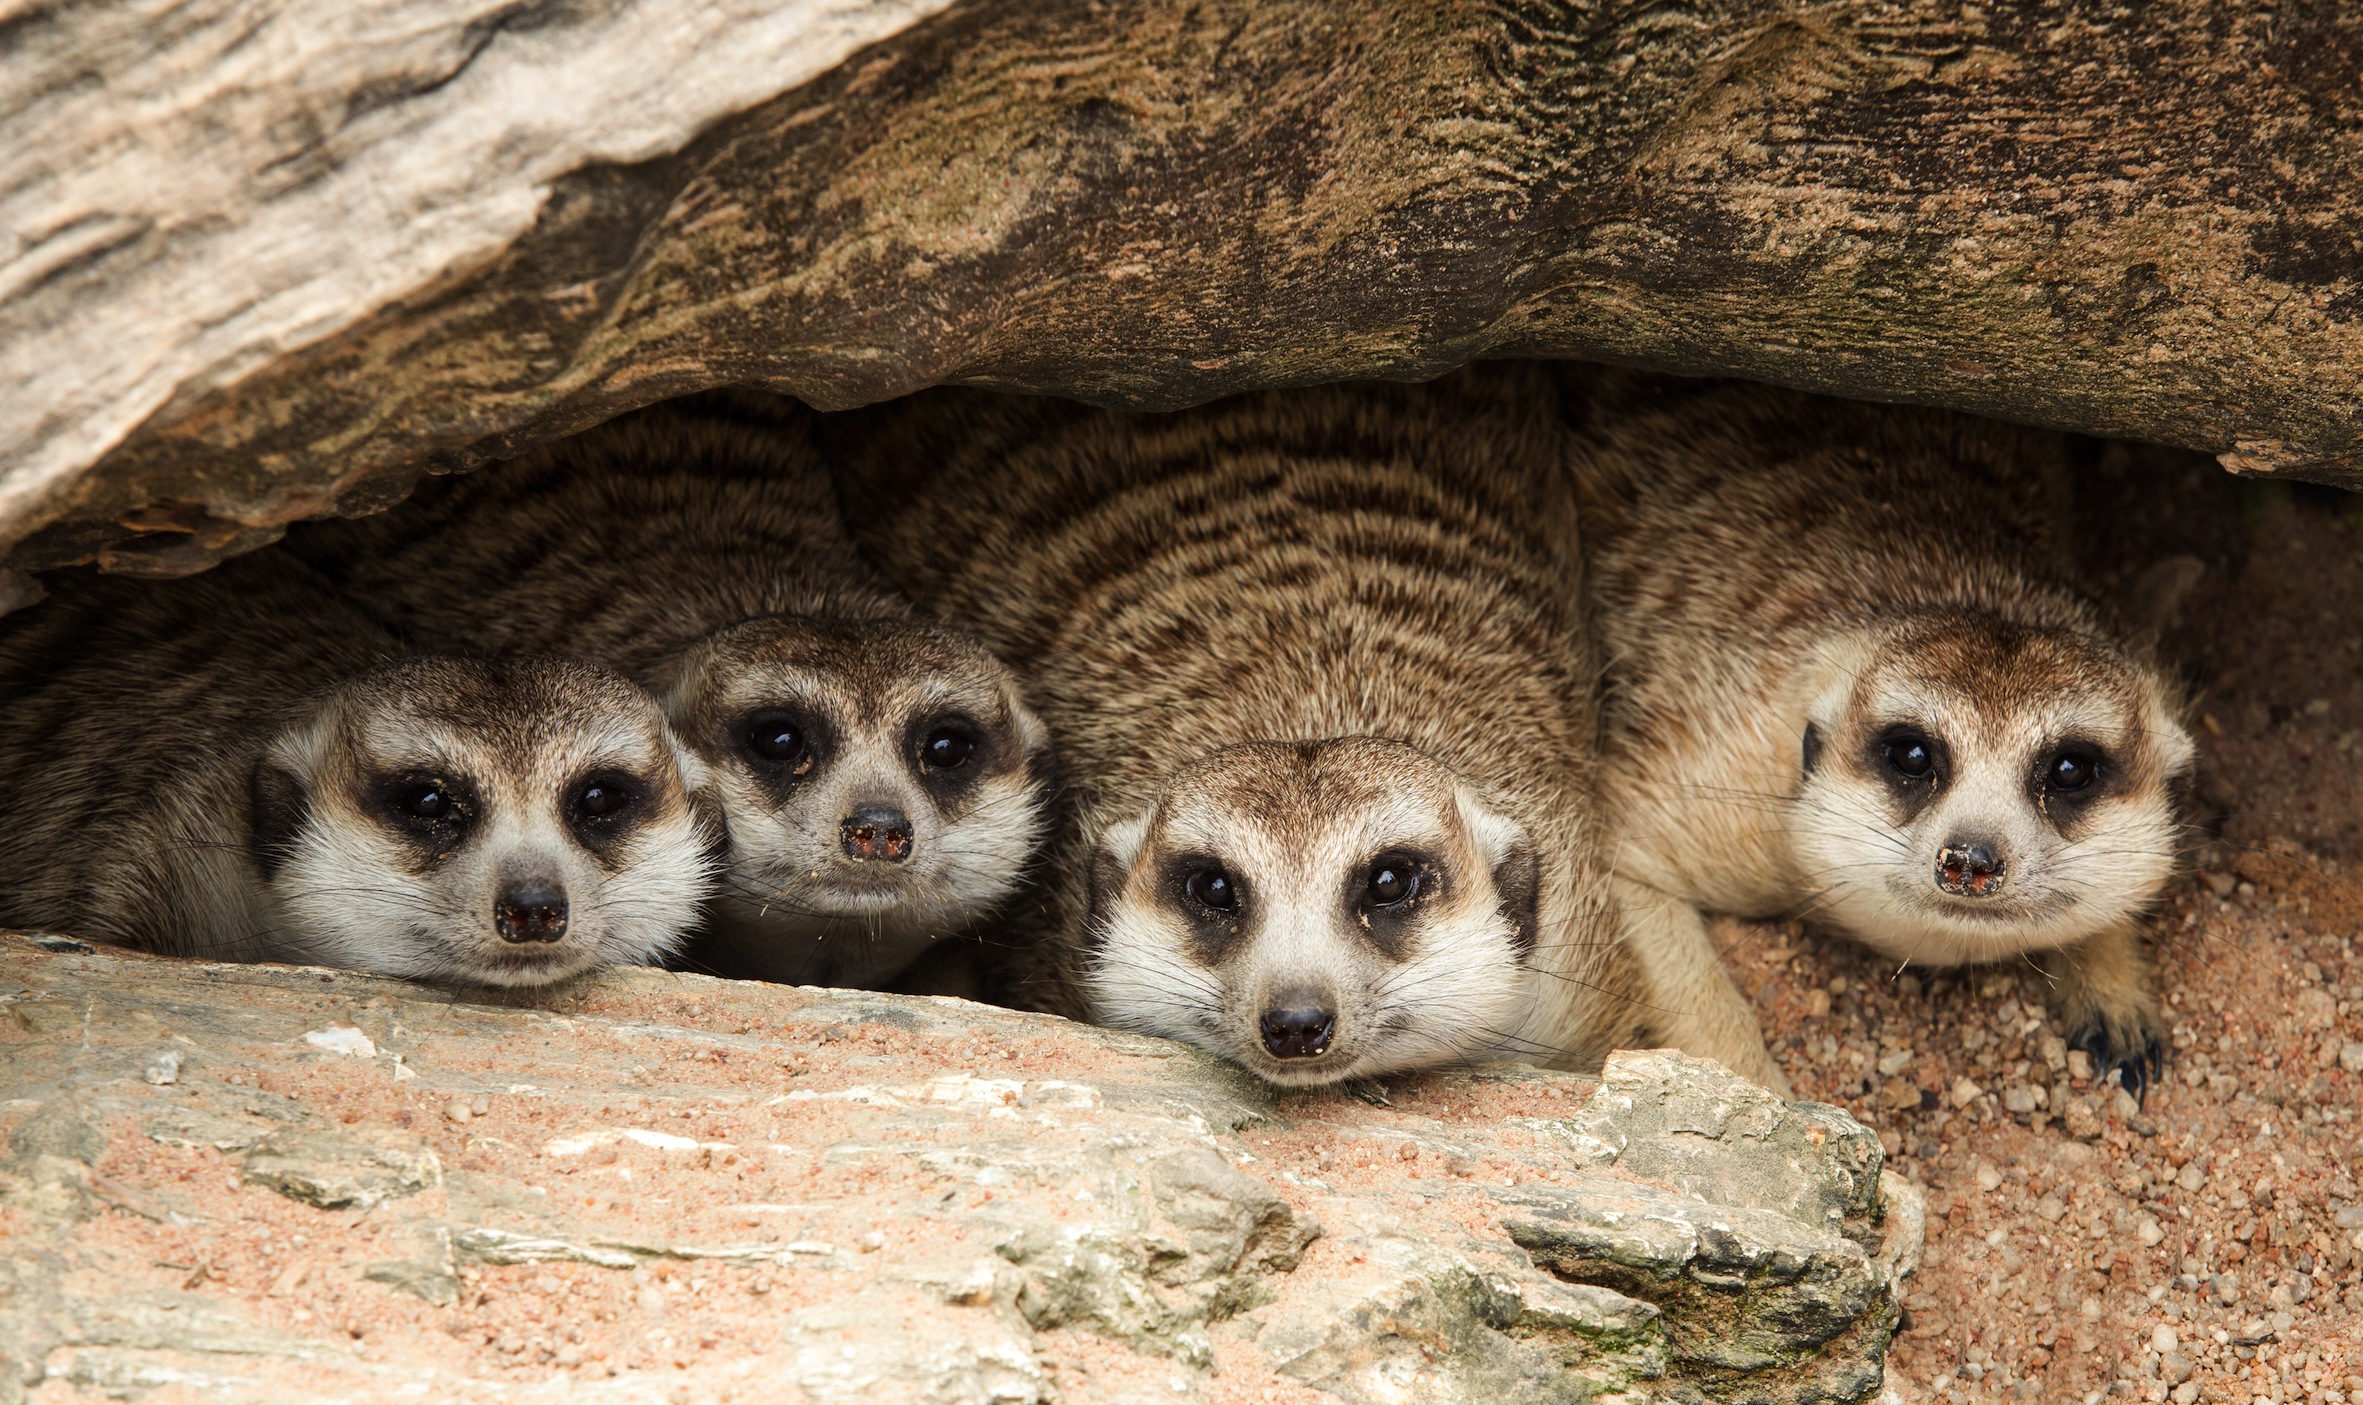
[2206, 1246]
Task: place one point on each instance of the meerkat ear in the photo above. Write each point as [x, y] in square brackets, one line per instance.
[1111, 862]
[1509, 855]
[276, 810]
[1034, 736]
[672, 682]
[705, 801]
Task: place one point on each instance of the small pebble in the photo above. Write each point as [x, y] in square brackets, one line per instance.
[2163, 1339]
[872, 1242]
[1966, 1092]
[2350, 1057]
[165, 1068]
[458, 1110]
[1988, 1179]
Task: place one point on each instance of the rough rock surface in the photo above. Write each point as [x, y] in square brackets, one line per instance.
[190, 191]
[273, 1183]
[2135, 220]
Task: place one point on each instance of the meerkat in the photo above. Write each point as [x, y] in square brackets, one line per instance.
[240, 767]
[1316, 667]
[1849, 674]
[881, 778]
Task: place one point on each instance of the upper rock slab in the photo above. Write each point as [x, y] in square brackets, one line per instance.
[268, 259]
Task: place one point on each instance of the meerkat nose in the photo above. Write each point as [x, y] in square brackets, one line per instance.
[1300, 1032]
[531, 912]
[1970, 868]
[877, 832]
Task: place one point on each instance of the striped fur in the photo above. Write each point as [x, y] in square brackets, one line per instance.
[1376, 561]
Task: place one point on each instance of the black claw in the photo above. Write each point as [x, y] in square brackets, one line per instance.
[2137, 1065]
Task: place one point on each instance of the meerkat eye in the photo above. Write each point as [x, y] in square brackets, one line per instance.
[1910, 756]
[603, 797]
[2072, 770]
[946, 748]
[428, 800]
[1213, 889]
[775, 739]
[1393, 881]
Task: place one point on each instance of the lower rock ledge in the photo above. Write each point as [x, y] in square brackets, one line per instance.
[272, 1183]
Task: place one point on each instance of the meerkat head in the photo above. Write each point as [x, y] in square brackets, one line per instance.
[508, 822]
[873, 772]
[1315, 911]
[1973, 789]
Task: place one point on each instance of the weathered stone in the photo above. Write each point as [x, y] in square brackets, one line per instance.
[433, 1280]
[1666, 1118]
[937, 1202]
[169, 1321]
[306, 281]
[355, 1170]
[1410, 1319]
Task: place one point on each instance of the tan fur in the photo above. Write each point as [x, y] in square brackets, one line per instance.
[695, 547]
[1288, 633]
[214, 768]
[1763, 562]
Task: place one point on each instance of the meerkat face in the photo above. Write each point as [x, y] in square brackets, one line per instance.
[1974, 790]
[503, 823]
[873, 772]
[1315, 911]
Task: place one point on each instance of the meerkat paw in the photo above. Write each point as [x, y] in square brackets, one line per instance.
[2110, 1012]
[2132, 1050]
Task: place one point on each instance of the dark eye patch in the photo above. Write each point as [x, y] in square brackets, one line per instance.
[1911, 761]
[780, 745]
[2070, 776]
[603, 807]
[1211, 898]
[432, 812]
[952, 753]
[1385, 898]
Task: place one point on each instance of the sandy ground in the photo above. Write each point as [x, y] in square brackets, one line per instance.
[2204, 1247]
